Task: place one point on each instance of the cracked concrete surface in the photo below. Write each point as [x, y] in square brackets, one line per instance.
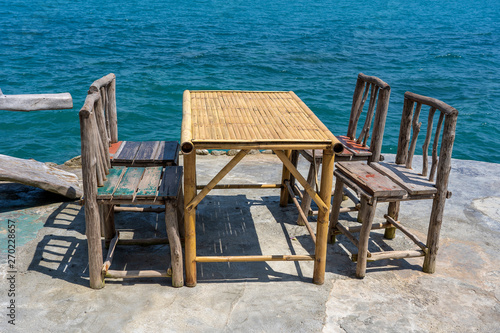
[52, 293]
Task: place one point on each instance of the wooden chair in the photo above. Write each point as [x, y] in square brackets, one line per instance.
[355, 145]
[106, 185]
[395, 182]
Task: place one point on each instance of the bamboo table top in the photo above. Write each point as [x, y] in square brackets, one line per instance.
[251, 119]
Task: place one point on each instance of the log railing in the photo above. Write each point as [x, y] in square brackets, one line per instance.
[35, 102]
[107, 107]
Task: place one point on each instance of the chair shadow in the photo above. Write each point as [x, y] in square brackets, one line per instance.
[226, 227]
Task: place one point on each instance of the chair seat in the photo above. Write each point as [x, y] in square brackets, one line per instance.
[370, 180]
[413, 182]
[144, 153]
[136, 184]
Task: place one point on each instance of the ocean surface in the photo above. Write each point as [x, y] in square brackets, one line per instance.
[448, 50]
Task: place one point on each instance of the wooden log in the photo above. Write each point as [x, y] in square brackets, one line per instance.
[38, 174]
[392, 211]
[445, 108]
[285, 176]
[356, 102]
[92, 218]
[425, 146]
[301, 212]
[435, 147]
[255, 258]
[111, 107]
[102, 82]
[410, 235]
[35, 102]
[111, 252]
[175, 243]
[101, 127]
[187, 146]
[364, 236]
[323, 217]
[379, 124]
[365, 131]
[438, 203]
[114, 274]
[404, 132]
[334, 214]
[392, 255]
[416, 130]
[359, 110]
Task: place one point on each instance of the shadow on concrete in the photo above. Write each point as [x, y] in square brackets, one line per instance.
[226, 227]
[14, 196]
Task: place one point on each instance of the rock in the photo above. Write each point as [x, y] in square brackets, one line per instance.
[218, 152]
[202, 152]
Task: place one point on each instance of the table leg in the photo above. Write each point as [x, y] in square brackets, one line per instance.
[190, 218]
[285, 175]
[323, 217]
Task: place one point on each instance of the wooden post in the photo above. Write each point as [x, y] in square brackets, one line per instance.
[379, 124]
[404, 132]
[190, 218]
[92, 220]
[364, 237]
[285, 175]
[334, 215]
[392, 211]
[113, 118]
[356, 103]
[175, 243]
[323, 218]
[305, 205]
[443, 174]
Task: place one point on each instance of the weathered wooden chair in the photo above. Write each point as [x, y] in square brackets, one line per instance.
[355, 145]
[395, 182]
[105, 186]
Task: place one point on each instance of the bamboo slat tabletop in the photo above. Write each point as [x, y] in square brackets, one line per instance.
[245, 117]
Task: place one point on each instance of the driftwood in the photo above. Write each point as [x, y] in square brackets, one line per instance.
[34, 102]
[38, 174]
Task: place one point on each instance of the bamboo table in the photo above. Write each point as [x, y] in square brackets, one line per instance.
[246, 120]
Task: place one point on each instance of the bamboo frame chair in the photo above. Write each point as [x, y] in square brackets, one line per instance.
[355, 146]
[105, 185]
[395, 182]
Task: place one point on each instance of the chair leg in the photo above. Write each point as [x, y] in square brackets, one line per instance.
[364, 237]
[334, 215]
[175, 243]
[393, 211]
[433, 234]
[305, 205]
[108, 222]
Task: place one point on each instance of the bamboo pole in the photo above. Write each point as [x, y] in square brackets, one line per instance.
[282, 156]
[190, 218]
[187, 146]
[255, 258]
[236, 159]
[113, 274]
[323, 217]
[301, 212]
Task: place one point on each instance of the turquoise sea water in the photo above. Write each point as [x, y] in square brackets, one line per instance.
[449, 50]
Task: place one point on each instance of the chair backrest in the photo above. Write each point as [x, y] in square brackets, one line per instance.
[379, 93]
[94, 143]
[410, 128]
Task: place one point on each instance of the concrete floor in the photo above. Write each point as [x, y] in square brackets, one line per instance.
[51, 283]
